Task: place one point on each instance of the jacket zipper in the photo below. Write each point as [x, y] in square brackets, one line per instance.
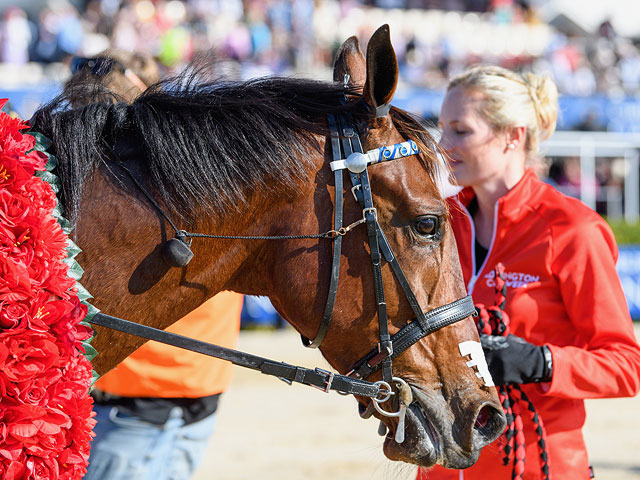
[474, 275]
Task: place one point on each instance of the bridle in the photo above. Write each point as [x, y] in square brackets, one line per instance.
[347, 155]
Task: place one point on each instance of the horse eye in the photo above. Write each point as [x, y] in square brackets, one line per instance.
[427, 225]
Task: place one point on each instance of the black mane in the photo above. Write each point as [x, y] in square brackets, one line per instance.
[200, 143]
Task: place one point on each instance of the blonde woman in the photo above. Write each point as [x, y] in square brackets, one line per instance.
[571, 333]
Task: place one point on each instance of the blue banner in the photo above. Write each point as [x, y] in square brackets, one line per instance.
[598, 112]
[25, 101]
[629, 271]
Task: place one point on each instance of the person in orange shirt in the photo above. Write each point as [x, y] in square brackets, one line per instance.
[571, 335]
[157, 409]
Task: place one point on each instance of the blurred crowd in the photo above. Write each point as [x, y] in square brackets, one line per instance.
[433, 38]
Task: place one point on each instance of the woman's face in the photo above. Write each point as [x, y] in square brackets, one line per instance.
[476, 153]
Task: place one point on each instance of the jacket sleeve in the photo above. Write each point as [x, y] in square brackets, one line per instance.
[607, 361]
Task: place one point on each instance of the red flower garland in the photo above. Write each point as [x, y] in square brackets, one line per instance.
[46, 416]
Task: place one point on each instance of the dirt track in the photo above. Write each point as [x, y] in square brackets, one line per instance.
[268, 430]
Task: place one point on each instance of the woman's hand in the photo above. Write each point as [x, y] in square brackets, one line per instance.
[512, 359]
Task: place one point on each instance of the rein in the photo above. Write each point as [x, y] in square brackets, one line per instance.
[317, 378]
[347, 155]
[493, 320]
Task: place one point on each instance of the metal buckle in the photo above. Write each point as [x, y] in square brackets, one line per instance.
[353, 191]
[328, 382]
[378, 401]
[388, 347]
[372, 210]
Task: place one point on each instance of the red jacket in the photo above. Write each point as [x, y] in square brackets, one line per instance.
[562, 291]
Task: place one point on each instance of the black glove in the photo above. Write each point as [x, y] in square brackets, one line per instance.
[512, 359]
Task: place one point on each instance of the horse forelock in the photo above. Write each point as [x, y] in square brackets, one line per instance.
[210, 144]
[413, 128]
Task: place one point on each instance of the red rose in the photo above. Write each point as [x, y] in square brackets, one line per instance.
[12, 470]
[15, 284]
[78, 373]
[13, 174]
[50, 276]
[34, 392]
[36, 159]
[29, 354]
[42, 468]
[66, 326]
[37, 429]
[13, 208]
[40, 195]
[14, 315]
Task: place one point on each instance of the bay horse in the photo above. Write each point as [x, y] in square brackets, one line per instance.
[255, 158]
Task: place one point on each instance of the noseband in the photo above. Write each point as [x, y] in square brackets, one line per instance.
[347, 155]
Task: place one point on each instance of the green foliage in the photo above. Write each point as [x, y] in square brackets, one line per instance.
[626, 233]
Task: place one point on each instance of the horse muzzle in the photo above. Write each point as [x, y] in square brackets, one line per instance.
[433, 435]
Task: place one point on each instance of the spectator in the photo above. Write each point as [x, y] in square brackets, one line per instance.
[123, 74]
[16, 36]
[571, 334]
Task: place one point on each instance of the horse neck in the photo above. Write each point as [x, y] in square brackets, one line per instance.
[122, 236]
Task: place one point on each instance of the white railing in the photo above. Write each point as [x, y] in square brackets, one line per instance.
[588, 146]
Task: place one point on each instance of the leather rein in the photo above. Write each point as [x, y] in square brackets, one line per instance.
[347, 155]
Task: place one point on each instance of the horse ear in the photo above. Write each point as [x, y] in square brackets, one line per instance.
[350, 61]
[382, 72]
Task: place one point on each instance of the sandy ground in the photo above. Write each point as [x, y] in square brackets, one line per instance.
[269, 430]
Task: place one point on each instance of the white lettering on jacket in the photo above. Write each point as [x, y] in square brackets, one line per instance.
[476, 354]
[513, 279]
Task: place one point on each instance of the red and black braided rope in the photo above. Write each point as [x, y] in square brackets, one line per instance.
[494, 320]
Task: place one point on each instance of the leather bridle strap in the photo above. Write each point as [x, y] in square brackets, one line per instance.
[337, 242]
[436, 319]
[318, 378]
[385, 346]
[389, 347]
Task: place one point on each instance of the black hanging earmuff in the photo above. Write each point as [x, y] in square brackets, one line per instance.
[176, 252]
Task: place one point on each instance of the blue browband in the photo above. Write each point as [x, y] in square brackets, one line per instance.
[358, 162]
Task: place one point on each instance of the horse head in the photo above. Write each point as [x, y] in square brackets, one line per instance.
[453, 414]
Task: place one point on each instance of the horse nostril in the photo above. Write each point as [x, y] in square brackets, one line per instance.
[490, 423]
[483, 417]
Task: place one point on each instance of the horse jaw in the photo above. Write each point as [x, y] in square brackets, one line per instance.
[431, 438]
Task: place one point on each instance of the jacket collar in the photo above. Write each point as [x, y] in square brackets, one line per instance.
[515, 199]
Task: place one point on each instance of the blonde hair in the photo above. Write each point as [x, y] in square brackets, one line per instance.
[512, 99]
